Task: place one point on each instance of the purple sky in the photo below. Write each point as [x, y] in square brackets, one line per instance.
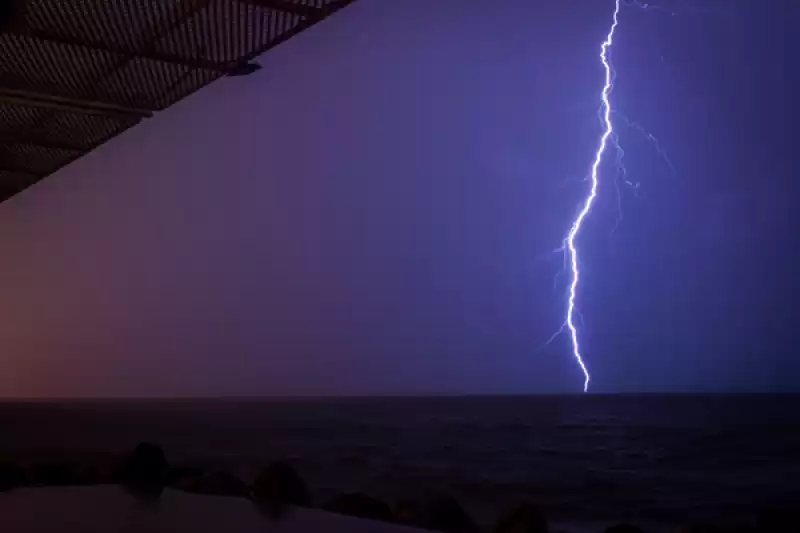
[373, 212]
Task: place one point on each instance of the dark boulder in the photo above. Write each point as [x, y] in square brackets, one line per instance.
[446, 515]
[525, 518]
[216, 483]
[11, 476]
[361, 506]
[144, 472]
[145, 466]
[277, 487]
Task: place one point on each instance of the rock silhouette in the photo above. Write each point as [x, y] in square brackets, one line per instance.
[525, 518]
[446, 515]
[277, 487]
[145, 466]
[360, 506]
[144, 472]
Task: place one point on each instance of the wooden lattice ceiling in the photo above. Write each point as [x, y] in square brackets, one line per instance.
[75, 73]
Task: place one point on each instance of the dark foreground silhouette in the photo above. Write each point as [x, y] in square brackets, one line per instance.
[278, 487]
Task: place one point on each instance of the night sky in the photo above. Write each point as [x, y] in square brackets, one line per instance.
[375, 212]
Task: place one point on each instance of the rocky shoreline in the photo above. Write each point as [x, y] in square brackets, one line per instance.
[277, 487]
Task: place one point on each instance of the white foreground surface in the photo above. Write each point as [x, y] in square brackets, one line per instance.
[108, 508]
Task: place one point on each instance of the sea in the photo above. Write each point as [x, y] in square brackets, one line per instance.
[647, 459]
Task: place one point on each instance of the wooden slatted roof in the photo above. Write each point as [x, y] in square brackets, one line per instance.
[75, 73]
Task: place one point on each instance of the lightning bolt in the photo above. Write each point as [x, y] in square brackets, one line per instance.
[570, 247]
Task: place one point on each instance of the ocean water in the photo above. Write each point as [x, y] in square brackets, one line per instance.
[654, 459]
